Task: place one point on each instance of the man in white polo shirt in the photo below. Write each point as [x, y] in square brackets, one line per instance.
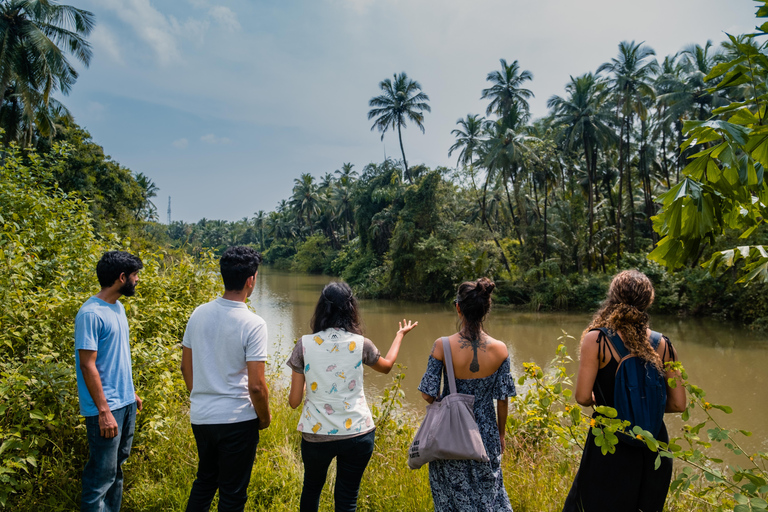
[223, 359]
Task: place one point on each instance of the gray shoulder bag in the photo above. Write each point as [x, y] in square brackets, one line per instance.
[449, 430]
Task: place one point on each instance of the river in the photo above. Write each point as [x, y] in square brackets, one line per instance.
[729, 362]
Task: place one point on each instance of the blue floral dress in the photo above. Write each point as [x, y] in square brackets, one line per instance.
[469, 485]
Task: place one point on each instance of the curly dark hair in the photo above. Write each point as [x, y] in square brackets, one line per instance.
[336, 307]
[624, 310]
[237, 264]
[474, 301]
[114, 263]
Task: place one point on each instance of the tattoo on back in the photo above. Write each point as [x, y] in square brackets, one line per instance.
[474, 366]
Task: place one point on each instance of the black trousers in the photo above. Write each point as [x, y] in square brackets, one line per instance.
[352, 456]
[226, 452]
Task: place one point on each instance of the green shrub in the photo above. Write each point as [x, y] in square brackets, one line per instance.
[49, 252]
[315, 255]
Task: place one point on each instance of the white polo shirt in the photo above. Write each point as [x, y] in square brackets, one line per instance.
[223, 336]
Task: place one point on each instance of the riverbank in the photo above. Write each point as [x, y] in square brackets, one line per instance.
[538, 466]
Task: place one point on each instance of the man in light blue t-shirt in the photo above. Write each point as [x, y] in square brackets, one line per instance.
[104, 381]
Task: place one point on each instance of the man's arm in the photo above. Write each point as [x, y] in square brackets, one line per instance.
[257, 388]
[186, 366]
[107, 423]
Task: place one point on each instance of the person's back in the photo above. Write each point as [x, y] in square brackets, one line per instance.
[218, 333]
[327, 381]
[628, 479]
[481, 368]
[224, 352]
[473, 360]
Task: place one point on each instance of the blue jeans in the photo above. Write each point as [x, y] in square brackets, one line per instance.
[226, 452]
[352, 456]
[103, 474]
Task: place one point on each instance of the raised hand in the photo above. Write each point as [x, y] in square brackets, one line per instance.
[406, 326]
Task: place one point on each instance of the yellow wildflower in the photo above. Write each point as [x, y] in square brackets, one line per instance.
[592, 423]
[639, 437]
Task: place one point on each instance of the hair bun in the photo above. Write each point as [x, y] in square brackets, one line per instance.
[485, 286]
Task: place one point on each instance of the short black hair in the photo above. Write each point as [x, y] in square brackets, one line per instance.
[114, 263]
[237, 264]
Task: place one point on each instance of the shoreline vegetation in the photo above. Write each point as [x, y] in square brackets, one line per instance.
[656, 164]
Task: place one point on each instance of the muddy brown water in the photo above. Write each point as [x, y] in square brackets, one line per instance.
[726, 360]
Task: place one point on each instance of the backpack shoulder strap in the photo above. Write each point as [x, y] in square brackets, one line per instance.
[616, 342]
[655, 339]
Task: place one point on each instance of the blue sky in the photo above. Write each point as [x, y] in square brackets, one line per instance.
[223, 103]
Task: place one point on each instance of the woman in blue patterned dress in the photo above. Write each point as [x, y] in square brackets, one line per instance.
[481, 366]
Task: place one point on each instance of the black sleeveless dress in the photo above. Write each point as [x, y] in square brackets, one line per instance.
[624, 481]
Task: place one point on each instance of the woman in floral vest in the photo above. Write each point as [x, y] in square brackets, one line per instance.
[328, 378]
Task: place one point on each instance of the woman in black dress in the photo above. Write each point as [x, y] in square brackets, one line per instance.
[624, 481]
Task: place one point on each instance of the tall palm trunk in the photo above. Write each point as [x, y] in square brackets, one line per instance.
[405, 162]
[664, 156]
[619, 198]
[546, 244]
[485, 219]
[630, 192]
[512, 212]
[590, 200]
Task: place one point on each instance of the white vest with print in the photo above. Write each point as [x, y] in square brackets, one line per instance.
[333, 371]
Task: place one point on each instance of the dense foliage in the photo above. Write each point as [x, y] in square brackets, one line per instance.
[48, 253]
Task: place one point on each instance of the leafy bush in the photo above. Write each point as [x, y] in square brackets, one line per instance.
[49, 252]
[315, 255]
[279, 255]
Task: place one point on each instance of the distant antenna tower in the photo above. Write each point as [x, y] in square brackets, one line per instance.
[169, 210]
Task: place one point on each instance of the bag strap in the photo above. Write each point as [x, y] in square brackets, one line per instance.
[449, 365]
[621, 349]
[655, 339]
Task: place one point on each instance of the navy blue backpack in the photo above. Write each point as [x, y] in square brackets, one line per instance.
[640, 390]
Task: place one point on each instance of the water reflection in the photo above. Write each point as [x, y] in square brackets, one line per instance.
[727, 361]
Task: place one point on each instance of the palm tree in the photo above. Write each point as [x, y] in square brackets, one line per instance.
[402, 99]
[506, 94]
[32, 62]
[346, 172]
[468, 138]
[305, 199]
[631, 78]
[147, 210]
[585, 122]
[503, 153]
[259, 221]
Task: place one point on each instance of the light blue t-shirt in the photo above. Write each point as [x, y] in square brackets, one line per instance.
[103, 327]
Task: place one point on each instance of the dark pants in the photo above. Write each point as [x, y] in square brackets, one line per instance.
[103, 473]
[352, 456]
[624, 481]
[226, 452]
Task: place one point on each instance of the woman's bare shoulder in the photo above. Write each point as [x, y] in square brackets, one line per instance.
[497, 347]
[437, 349]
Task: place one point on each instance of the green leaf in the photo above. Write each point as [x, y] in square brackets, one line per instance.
[722, 68]
[37, 415]
[606, 411]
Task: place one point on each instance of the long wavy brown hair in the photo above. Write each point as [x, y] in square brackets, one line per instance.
[624, 310]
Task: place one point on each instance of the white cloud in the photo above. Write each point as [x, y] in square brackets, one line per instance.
[163, 33]
[225, 17]
[103, 39]
[213, 139]
[180, 143]
[150, 25]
